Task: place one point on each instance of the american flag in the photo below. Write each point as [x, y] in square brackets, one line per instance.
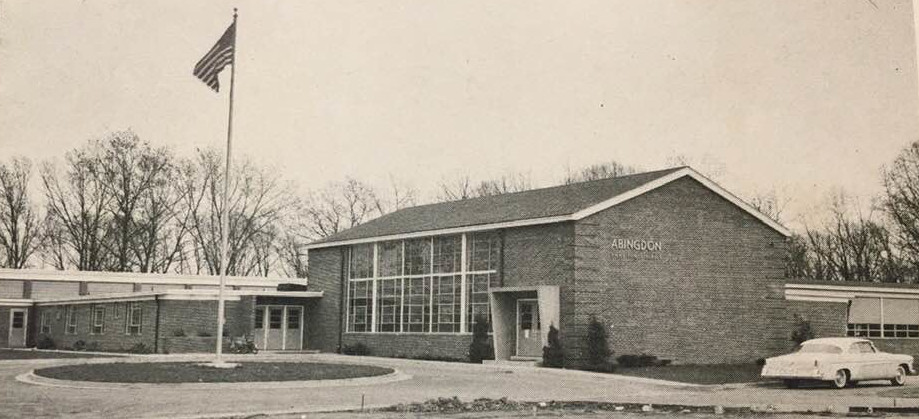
[220, 56]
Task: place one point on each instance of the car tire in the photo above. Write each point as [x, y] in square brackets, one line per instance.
[792, 383]
[900, 378]
[841, 379]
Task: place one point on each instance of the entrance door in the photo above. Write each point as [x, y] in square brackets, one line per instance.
[529, 333]
[275, 335]
[293, 331]
[259, 330]
[278, 327]
[17, 328]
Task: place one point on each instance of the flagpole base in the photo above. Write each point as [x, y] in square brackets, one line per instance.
[220, 365]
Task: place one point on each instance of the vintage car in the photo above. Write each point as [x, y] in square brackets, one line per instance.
[841, 361]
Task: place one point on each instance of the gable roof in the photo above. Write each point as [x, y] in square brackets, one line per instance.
[537, 206]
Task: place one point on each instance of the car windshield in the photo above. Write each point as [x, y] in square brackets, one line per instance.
[820, 348]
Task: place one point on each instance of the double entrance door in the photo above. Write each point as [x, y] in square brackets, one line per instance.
[278, 327]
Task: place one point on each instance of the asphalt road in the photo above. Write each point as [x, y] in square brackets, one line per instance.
[428, 380]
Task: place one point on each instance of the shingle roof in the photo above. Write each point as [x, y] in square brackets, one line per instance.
[555, 201]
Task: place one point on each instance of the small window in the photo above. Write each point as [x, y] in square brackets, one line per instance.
[19, 319]
[98, 319]
[135, 314]
[275, 318]
[71, 328]
[293, 318]
[259, 317]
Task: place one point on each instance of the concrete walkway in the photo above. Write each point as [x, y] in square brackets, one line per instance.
[428, 380]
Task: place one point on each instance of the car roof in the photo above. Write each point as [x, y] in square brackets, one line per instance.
[841, 342]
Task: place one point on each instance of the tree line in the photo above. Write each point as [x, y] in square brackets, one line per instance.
[119, 203]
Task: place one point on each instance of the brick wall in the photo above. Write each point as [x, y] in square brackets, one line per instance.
[410, 345]
[711, 294]
[113, 338]
[194, 318]
[543, 255]
[323, 317]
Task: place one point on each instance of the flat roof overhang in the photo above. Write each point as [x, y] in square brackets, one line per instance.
[142, 278]
[182, 295]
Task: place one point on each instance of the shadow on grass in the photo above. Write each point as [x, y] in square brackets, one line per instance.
[6, 354]
[698, 374]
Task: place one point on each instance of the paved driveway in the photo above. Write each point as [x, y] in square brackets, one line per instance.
[429, 380]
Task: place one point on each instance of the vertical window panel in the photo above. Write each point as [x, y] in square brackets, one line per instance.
[417, 257]
[390, 258]
[447, 253]
[361, 264]
[482, 251]
[417, 304]
[447, 303]
[359, 314]
[389, 302]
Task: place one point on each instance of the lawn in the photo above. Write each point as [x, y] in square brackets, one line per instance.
[698, 374]
[188, 372]
[11, 354]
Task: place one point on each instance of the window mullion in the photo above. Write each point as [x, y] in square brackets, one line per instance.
[374, 327]
[402, 290]
[463, 294]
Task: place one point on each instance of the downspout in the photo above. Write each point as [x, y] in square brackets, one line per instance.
[156, 326]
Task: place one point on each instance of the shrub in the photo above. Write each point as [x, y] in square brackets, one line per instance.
[140, 348]
[356, 349]
[553, 354]
[79, 345]
[802, 330]
[480, 349]
[640, 361]
[598, 351]
[204, 334]
[45, 342]
[180, 332]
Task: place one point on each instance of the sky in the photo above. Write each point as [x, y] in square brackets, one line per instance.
[803, 97]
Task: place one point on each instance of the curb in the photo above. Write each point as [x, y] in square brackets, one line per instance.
[395, 376]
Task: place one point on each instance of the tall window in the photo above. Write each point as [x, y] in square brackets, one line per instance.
[389, 305]
[134, 318]
[359, 314]
[71, 328]
[46, 321]
[98, 319]
[421, 285]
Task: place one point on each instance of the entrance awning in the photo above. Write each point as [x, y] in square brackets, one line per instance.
[503, 301]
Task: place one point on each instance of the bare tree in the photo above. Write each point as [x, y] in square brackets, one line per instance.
[131, 170]
[463, 187]
[901, 183]
[340, 206]
[770, 204]
[19, 230]
[599, 171]
[854, 246]
[257, 201]
[76, 201]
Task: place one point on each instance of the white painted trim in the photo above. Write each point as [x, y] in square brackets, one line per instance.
[16, 302]
[845, 293]
[444, 231]
[141, 278]
[579, 215]
[184, 295]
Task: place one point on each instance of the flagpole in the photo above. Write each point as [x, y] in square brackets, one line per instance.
[224, 216]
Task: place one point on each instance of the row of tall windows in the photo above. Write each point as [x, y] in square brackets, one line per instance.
[421, 285]
[884, 318]
[133, 318]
